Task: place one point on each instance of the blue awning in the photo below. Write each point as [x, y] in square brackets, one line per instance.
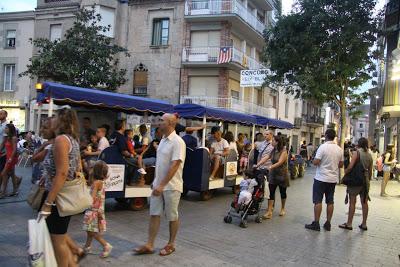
[190, 111]
[88, 97]
[273, 122]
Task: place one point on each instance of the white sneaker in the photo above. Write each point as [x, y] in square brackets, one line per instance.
[142, 171]
[212, 178]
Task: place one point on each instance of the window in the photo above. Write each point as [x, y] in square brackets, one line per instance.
[160, 32]
[107, 19]
[274, 101]
[9, 77]
[10, 38]
[287, 108]
[55, 32]
[140, 80]
[235, 94]
[361, 125]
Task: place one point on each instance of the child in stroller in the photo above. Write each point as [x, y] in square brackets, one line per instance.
[248, 201]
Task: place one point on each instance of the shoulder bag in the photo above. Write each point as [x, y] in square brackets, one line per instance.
[74, 197]
[35, 196]
[356, 177]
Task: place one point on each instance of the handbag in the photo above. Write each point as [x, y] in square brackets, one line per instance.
[35, 196]
[74, 197]
[356, 177]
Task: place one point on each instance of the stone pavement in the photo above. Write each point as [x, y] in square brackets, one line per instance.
[204, 240]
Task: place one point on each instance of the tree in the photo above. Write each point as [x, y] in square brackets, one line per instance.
[323, 52]
[85, 57]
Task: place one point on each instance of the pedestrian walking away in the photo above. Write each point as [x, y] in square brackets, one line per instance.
[328, 159]
[389, 162]
[360, 173]
[167, 186]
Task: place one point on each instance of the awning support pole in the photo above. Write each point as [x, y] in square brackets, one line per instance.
[203, 138]
[253, 134]
[51, 108]
[39, 115]
[236, 131]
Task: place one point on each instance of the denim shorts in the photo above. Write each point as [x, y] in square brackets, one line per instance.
[322, 188]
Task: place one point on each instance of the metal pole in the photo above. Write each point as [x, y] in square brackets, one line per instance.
[236, 131]
[39, 115]
[253, 135]
[203, 138]
[51, 107]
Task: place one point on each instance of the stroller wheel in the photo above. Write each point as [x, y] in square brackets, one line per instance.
[258, 219]
[228, 219]
[243, 224]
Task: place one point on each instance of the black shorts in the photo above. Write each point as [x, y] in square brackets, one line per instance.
[322, 188]
[56, 224]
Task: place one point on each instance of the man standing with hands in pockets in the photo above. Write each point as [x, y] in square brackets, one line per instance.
[167, 186]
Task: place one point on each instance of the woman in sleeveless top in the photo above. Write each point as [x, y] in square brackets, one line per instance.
[60, 165]
[366, 160]
[278, 175]
[388, 162]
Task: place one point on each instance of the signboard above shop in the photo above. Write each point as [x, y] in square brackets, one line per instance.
[253, 78]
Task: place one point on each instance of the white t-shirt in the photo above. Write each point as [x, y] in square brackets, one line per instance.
[103, 144]
[220, 146]
[330, 155]
[233, 146]
[171, 148]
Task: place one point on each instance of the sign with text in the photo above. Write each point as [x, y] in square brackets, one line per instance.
[115, 180]
[253, 78]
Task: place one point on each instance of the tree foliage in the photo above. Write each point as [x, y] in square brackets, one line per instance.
[323, 51]
[84, 57]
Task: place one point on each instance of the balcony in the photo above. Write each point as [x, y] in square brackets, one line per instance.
[298, 122]
[209, 55]
[314, 120]
[230, 104]
[232, 10]
[391, 15]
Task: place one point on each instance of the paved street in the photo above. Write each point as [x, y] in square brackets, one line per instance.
[204, 240]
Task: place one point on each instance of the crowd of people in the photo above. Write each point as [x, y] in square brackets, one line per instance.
[62, 152]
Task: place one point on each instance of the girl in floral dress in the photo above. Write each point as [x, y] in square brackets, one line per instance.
[94, 222]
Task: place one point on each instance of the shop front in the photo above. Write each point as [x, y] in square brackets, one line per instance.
[16, 112]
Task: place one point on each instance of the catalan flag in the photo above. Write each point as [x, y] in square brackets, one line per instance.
[225, 55]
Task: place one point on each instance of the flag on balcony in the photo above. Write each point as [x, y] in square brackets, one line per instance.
[225, 55]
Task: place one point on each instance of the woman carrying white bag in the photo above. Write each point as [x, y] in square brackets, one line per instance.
[66, 192]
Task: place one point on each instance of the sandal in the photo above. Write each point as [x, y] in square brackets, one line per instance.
[345, 226]
[282, 213]
[167, 250]
[364, 228]
[81, 254]
[143, 251]
[107, 250]
[267, 216]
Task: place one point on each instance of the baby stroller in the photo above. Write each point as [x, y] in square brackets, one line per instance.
[254, 206]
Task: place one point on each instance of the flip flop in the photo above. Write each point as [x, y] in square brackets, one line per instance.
[345, 226]
[13, 194]
[143, 251]
[362, 227]
[168, 250]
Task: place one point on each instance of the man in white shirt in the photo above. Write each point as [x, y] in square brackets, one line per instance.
[103, 142]
[219, 150]
[167, 185]
[329, 159]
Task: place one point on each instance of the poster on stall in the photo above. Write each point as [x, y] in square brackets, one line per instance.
[253, 78]
[115, 180]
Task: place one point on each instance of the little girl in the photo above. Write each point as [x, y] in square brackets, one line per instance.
[244, 159]
[94, 222]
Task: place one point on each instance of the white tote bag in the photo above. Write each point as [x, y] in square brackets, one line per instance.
[41, 253]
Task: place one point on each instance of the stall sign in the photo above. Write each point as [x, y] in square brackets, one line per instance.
[115, 180]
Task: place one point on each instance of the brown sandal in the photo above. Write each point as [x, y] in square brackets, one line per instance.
[167, 250]
[143, 251]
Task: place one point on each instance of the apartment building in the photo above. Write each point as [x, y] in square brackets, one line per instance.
[221, 38]
[360, 124]
[16, 28]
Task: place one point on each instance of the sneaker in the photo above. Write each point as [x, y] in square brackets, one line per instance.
[327, 226]
[142, 171]
[313, 226]
[211, 178]
[107, 250]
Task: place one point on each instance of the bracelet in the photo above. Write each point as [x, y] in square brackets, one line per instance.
[49, 204]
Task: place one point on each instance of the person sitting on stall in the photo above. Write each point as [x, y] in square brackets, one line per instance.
[149, 156]
[89, 154]
[190, 140]
[129, 142]
[219, 149]
[102, 143]
[144, 139]
[118, 139]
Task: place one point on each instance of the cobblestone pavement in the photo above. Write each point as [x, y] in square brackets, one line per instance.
[204, 240]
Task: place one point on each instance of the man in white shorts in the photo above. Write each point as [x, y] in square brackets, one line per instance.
[167, 186]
